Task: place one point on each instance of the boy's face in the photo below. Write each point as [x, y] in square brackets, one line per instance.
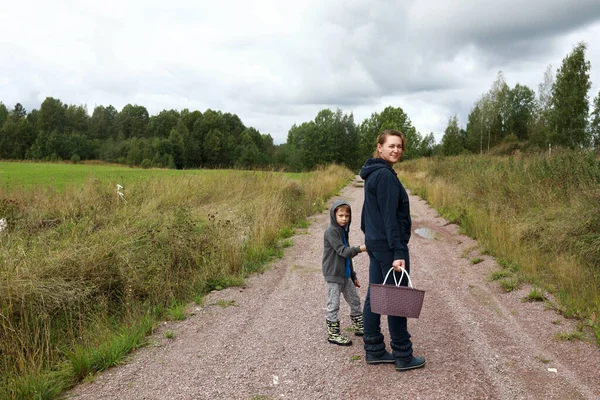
[342, 216]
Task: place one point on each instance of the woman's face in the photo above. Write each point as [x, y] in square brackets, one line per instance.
[391, 149]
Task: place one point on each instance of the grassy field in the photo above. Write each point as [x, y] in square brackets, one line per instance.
[84, 275]
[539, 215]
[58, 176]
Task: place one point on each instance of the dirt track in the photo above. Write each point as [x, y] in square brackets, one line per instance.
[270, 342]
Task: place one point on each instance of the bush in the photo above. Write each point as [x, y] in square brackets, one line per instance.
[146, 163]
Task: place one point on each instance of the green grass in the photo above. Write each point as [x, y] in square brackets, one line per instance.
[198, 299]
[536, 294]
[287, 243]
[80, 361]
[226, 303]
[509, 284]
[57, 176]
[169, 335]
[176, 312]
[476, 260]
[287, 232]
[98, 272]
[496, 275]
[542, 359]
[539, 216]
[303, 224]
[569, 336]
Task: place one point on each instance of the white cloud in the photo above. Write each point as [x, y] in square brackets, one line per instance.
[279, 63]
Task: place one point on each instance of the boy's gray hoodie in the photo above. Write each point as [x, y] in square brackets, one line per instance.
[334, 250]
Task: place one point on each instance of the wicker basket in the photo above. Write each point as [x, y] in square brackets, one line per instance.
[396, 300]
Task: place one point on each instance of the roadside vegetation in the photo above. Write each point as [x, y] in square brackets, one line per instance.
[85, 275]
[539, 214]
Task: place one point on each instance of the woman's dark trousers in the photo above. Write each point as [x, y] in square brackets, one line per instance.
[380, 263]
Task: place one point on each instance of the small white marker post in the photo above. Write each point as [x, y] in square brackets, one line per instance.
[120, 193]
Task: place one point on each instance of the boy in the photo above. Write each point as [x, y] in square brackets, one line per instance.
[339, 273]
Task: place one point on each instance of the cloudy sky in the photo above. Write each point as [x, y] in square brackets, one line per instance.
[276, 63]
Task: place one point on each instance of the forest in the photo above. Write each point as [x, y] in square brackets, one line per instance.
[502, 120]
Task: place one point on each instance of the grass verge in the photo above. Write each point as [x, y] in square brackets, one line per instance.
[84, 276]
[539, 215]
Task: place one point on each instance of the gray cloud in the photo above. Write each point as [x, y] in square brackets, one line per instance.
[276, 63]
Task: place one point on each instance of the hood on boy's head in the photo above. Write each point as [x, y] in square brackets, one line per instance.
[335, 205]
[372, 165]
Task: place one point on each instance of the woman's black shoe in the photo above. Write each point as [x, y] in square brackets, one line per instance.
[387, 358]
[409, 363]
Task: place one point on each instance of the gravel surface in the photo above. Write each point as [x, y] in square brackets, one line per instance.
[267, 340]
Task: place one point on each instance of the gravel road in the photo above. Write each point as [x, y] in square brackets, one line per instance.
[267, 340]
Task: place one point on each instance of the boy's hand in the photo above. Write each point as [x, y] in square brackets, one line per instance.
[357, 283]
[363, 248]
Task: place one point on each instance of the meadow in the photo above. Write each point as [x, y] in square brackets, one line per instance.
[86, 275]
[538, 215]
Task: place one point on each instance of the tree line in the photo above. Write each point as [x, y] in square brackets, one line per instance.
[192, 139]
[173, 139]
[559, 116]
[503, 116]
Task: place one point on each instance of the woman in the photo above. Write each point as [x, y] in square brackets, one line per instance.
[386, 223]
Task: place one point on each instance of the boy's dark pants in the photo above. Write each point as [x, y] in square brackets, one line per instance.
[380, 263]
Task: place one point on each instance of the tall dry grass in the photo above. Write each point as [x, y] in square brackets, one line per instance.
[77, 265]
[541, 213]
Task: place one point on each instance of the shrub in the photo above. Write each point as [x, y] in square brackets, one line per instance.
[146, 163]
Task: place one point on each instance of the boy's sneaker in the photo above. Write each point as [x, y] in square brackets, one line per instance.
[334, 336]
[403, 364]
[357, 324]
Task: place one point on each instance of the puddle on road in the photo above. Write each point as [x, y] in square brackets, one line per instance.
[427, 233]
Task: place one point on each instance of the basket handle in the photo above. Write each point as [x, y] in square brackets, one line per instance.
[401, 276]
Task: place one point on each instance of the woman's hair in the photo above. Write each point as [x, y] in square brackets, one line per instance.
[383, 137]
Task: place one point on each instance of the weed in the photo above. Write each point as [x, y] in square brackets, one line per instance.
[467, 250]
[354, 358]
[557, 322]
[592, 323]
[226, 303]
[286, 232]
[349, 329]
[499, 275]
[287, 243]
[176, 312]
[569, 336]
[198, 299]
[509, 284]
[476, 260]
[535, 294]
[221, 283]
[303, 224]
[259, 397]
[169, 334]
[542, 359]
[511, 266]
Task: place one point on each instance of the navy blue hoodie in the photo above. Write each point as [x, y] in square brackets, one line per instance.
[385, 216]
